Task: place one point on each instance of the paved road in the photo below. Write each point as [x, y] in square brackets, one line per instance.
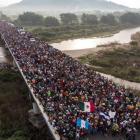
[100, 136]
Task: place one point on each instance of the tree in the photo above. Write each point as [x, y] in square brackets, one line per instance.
[117, 14]
[109, 19]
[133, 18]
[83, 19]
[89, 19]
[68, 18]
[4, 17]
[51, 21]
[30, 18]
[104, 20]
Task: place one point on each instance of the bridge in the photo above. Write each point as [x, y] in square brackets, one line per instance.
[57, 82]
[37, 106]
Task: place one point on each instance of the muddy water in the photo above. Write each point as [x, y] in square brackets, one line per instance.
[119, 81]
[4, 58]
[123, 36]
[125, 83]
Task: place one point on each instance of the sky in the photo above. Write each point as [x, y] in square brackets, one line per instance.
[8, 2]
[129, 3]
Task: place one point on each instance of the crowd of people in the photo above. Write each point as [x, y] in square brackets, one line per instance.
[60, 82]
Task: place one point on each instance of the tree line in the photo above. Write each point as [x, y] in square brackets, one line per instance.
[4, 17]
[33, 19]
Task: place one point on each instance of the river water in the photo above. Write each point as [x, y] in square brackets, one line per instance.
[125, 83]
[3, 58]
[123, 36]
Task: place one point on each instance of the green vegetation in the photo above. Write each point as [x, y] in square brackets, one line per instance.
[14, 106]
[89, 19]
[57, 34]
[133, 18]
[122, 63]
[109, 19]
[31, 19]
[71, 26]
[134, 43]
[51, 21]
[4, 17]
[68, 18]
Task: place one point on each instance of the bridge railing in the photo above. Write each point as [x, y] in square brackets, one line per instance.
[56, 136]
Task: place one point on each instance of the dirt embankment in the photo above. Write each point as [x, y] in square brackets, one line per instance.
[83, 52]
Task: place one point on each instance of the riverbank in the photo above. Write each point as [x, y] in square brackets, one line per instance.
[83, 52]
[121, 61]
[61, 33]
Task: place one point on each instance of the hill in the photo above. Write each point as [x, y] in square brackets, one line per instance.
[66, 5]
[2, 6]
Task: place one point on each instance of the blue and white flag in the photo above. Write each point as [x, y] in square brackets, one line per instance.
[82, 123]
[104, 116]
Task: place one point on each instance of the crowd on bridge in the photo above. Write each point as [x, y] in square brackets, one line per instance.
[60, 82]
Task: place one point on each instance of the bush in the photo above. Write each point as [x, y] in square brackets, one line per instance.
[133, 43]
[6, 76]
[133, 72]
[51, 21]
[132, 53]
[111, 60]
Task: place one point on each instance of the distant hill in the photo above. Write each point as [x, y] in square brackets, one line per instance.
[2, 6]
[66, 5]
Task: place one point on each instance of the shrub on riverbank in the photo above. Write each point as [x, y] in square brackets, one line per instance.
[134, 43]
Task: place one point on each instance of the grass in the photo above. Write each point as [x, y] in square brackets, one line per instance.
[65, 32]
[119, 62]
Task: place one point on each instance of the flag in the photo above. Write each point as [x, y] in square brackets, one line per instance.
[82, 123]
[112, 114]
[104, 116]
[86, 106]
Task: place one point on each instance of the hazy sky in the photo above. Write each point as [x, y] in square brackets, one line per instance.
[129, 3]
[8, 2]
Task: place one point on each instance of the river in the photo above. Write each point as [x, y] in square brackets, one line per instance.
[3, 58]
[125, 83]
[123, 36]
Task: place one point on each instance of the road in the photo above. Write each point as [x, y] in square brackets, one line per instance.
[100, 136]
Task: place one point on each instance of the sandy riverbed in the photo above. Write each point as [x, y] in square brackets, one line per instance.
[79, 53]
